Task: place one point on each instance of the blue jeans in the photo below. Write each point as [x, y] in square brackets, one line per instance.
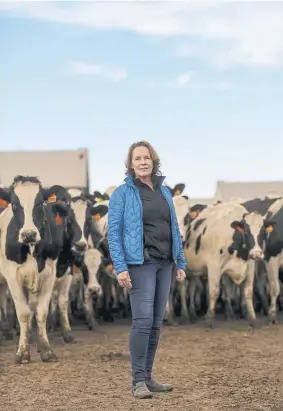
[148, 297]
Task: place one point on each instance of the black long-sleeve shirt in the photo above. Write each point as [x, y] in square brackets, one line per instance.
[156, 221]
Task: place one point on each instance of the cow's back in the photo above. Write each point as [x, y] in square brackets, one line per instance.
[211, 234]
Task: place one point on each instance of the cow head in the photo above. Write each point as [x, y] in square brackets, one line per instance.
[99, 212]
[26, 198]
[78, 224]
[57, 209]
[98, 197]
[248, 237]
[83, 222]
[271, 233]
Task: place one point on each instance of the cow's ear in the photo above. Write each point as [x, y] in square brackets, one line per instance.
[56, 193]
[90, 198]
[98, 212]
[5, 198]
[238, 226]
[269, 225]
[178, 189]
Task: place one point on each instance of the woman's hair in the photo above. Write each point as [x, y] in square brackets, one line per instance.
[153, 155]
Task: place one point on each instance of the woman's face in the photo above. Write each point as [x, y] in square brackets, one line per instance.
[142, 163]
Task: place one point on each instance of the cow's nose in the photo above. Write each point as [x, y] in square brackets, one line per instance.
[29, 237]
[94, 289]
[81, 246]
[256, 254]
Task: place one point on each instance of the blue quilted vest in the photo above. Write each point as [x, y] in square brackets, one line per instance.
[125, 227]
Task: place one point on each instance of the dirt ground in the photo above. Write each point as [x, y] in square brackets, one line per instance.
[227, 368]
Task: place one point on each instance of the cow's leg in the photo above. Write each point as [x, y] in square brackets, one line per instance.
[80, 300]
[182, 287]
[192, 292]
[88, 309]
[64, 290]
[46, 284]
[228, 289]
[114, 293]
[213, 289]
[280, 296]
[5, 323]
[72, 308]
[32, 293]
[260, 285]
[122, 300]
[248, 288]
[53, 310]
[261, 295]
[198, 295]
[274, 287]
[23, 315]
[169, 311]
[107, 314]
[126, 303]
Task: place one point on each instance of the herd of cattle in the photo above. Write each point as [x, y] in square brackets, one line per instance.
[55, 263]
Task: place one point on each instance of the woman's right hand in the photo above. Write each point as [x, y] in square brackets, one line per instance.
[124, 279]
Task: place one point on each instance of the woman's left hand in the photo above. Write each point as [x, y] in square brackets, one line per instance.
[180, 275]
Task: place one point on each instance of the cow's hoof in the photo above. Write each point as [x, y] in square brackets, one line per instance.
[254, 323]
[48, 356]
[209, 322]
[271, 320]
[22, 358]
[93, 325]
[69, 338]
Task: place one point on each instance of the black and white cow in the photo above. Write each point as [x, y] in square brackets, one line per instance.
[274, 252]
[224, 238]
[260, 206]
[185, 215]
[30, 244]
[80, 227]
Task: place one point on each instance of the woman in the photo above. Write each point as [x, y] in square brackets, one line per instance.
[144, 243]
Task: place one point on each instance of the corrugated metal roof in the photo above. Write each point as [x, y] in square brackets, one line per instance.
[68, 168]
[226, 191]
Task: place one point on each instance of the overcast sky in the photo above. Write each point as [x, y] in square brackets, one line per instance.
[202, 81]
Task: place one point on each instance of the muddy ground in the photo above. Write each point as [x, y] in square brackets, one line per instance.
[227, 368]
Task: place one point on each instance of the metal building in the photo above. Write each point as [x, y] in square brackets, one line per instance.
[69, 168]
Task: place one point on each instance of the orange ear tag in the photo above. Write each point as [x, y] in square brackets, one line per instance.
[3, 203]
[59, 220]
[240, 229]
[96, 217]
[52, 198]
[75, 268]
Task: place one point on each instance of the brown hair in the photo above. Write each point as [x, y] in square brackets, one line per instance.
[153, 155]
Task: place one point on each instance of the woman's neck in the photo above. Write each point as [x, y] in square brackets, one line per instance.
[146, 180]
